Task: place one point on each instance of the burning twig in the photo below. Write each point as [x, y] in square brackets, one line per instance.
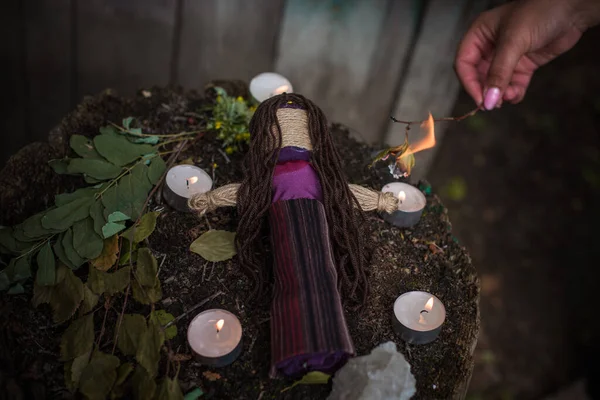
[404, 153]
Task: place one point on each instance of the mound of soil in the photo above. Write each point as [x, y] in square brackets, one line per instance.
[426, 257]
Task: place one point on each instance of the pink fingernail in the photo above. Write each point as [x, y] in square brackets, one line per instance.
[491, 98]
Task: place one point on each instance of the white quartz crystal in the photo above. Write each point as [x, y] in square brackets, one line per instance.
[383, 374]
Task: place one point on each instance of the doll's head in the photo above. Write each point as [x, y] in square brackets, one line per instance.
[292, 120]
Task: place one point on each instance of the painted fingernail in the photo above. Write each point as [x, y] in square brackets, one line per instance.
[491, 98]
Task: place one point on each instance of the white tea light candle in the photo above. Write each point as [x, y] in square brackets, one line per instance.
[411, 202]
[215, 337]
[418, 317]
[182, 182]
[269, 84]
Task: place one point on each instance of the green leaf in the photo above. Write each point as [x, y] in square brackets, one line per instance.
[126, 122]
[126, 254]
[123, 372]
[83, 147]
[215, 245]
[59, 165]
[46, 273]
[162, 318]
[311, 378]
[73, 370]
[18, 269]
[98, 169]
[90, 299]
[128, 195]
[64, 297]
[117, 216]
[148, 349]
[19, 236]
[32, 227]
[111, 229]
[143, 384]
[85, 240]
[133, 328]
[108, 256]
[143, 229]
[70, 252]
[17, 288]
[66, 198]
[194, 394]
[96, 281]
[97, 214]
[109, 130]
[78, 339]
[120, 151]
[156, 169]
[66, 215]
[146, 295]
[145, 139]
[169, 390]
[7, 241]
[90, 180]
[146, 267]
[109, 283]
[59, 250]
[99, 376]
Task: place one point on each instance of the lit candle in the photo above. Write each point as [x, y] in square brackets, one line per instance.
[269, 84]
[411, 202]
[418, 317]
[182, 182]
[215, 337]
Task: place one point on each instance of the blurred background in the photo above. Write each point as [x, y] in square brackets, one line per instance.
[522, 183]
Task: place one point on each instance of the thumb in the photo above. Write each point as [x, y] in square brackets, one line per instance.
[509, 51]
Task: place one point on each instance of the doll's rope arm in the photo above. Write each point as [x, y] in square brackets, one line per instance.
[370, 200]
[224, 196]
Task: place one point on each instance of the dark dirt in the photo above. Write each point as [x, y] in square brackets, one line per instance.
[530, 218]
[403, 260]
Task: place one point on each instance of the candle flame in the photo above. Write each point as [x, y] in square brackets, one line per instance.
[219, 324]
[401, 196]
[281, 89]
[192, 180]
[429, 304]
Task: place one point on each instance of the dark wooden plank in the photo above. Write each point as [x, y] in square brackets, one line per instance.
[124, 45]
[431, 83]
[14, 85]
[49, 64]
[234, 39]
[347, 57]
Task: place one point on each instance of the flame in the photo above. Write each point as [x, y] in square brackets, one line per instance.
[401, 196]
[429, 304]
[427, 142]
[281, 89]
[422, 320]
[192, 180]
[219, 325]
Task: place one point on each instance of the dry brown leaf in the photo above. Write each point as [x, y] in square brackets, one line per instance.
[211, 376]
[109, 254]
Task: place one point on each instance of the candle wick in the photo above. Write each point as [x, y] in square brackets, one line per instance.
[424, 311]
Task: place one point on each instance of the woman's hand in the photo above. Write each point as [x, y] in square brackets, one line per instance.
[504, 46]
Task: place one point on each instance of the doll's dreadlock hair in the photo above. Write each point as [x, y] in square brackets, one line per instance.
[344, 216]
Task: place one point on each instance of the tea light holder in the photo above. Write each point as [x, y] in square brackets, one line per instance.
[418, 317]
[269, 84]
[215, 337]
[411, 203]
[182, 182]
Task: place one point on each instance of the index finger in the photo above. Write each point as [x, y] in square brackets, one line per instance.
[469, 56]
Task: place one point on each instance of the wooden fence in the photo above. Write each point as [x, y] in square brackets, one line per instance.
[360, 60]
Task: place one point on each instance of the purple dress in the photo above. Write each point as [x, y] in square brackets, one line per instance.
[308, 327]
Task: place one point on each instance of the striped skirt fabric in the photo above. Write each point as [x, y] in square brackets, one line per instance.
[308, 327]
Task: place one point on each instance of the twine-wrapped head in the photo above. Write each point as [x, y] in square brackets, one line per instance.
[293, 120]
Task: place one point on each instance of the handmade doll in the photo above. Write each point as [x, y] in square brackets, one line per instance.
[295, 182]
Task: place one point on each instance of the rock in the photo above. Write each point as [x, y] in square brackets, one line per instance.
[382, 375]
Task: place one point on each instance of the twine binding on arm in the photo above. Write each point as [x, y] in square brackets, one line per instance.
[370, 200]
[225, 196]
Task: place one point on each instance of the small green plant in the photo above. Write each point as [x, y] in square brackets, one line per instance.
[230, 119]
